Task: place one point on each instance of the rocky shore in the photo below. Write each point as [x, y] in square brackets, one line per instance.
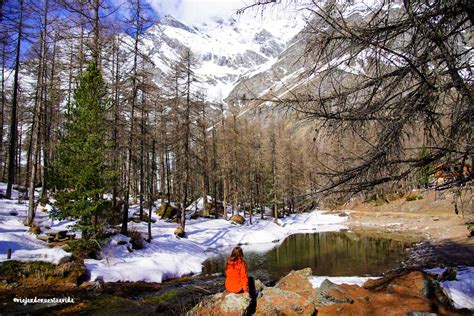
[402, 293]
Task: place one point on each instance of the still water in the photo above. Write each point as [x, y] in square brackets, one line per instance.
[329, 254]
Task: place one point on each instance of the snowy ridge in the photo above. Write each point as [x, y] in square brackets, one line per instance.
[224, 50]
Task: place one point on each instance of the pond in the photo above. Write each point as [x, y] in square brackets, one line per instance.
[328, 254]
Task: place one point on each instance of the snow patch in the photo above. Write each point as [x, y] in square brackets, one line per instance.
[461, 290]
[51, 255]
[316, 281]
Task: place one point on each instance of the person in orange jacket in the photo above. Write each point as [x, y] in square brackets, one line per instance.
[237, 280]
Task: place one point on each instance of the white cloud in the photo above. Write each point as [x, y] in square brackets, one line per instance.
[198, 11]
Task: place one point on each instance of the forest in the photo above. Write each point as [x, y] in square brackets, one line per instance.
[266, 157]
[84, 118]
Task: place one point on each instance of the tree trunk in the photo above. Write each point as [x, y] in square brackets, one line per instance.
[96, 48]
[274, 189]
[13, 119]
[2, 119]
[115, 131]
[132, 118]
[40, 93]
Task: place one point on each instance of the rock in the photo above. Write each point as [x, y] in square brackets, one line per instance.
[297, 281]
[222, 304]
[166, 211]
[136, 239]
[396, 294]
[45, 238]
[259, 286]
[237, 219]
[448, 275]
[330, 293]
[13, 213]
[96, 285]
[420, 314]
[179, 232]
[275, 301]
[416, 284]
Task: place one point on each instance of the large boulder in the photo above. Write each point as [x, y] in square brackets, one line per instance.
[330, 293]
[416, 284]
[226, 304]
[406, 293]
[166, 211]
[237, 219]
[275, 301]
[297, 281]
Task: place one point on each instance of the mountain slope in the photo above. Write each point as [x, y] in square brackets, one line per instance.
[225, 50]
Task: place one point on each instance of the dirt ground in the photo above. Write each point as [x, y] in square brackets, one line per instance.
[442, 235]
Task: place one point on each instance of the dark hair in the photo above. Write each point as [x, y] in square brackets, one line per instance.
[236, 254]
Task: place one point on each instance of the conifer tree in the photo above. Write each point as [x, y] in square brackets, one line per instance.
[81, 171]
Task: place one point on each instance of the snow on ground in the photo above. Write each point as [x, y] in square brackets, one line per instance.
[352, 280]
[15, 236]
[52, 255]
[461, 290]
[168, 257]
[164, 258]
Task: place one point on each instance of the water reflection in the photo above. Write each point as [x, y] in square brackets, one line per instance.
[331, 254]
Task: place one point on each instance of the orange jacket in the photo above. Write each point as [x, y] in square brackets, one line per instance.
[236, 276]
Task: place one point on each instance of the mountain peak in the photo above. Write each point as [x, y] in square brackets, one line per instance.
[171, 21]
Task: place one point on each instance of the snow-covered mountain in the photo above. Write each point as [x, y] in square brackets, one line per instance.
[226, 50]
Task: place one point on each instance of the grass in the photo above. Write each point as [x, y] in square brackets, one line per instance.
[162, 298]
[411, 197]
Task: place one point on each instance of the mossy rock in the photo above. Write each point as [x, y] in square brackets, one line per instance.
[166, 211]
[26, 273]
[136, 239]
[83, 248]
[11, 271]
[146, 219]
[470, 228]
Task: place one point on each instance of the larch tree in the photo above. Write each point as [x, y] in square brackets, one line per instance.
[416, 76]
[12, 150]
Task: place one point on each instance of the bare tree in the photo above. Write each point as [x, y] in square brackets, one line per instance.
[13, 118]
[381, 78]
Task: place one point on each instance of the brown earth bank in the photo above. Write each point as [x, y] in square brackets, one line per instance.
[402, 293]
[442, 235]
[172, 297]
